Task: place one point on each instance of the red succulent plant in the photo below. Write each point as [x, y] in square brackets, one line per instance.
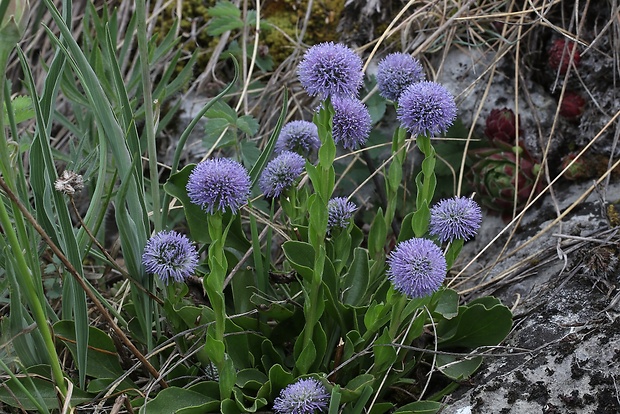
[501, 125]
[560, 55]
[572, 105]
[497, 176]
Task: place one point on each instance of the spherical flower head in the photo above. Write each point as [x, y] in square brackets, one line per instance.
[301, 137]
[351, 122]
[330, 69]
[396, 72]
[306, 396]
[339, 212]
[417, 267]
[281, 173]
[455, 218]
[219, 184]
[171, 256]
[426, 108]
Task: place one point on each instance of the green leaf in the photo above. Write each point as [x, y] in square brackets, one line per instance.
[305, 357]
[249, 152]
[279, 378]
[242, 399]
[420, 407]
[376, 316]
[180, 400]
[248, 124]
[251, 378]
[225, 16]
[384, 351]
[406, 228]
[103, 360]
[456, 369]
[37, 385]
[355, 387]
[377, 235]
[22, 109]
[476, 325]
[224, 8]
[356, 279]
[421, 219]
[376, 106]
[453, 252]
[214, 129]
[447, 304]
[380, 408]
[301, 256]
[222, 110]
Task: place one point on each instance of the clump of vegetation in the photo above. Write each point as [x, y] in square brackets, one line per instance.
[307, 259]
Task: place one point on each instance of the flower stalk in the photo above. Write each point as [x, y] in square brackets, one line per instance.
[214, 287]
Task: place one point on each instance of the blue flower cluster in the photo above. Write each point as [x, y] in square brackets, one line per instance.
[301, 137]
[426, 108]
[339, 212]
[171, 256]
[351, 122]
[219, 184]
[417, 267]
[455, 218]
[306, 396]
[334, 71]
[281, 173]
[396, 72]
[331, 69]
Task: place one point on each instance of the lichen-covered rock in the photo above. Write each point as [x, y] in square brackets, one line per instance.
[562, 355]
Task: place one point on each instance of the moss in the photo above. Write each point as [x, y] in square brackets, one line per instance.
[287, 15]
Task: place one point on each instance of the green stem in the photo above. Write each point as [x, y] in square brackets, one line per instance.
[214, 286]
[217, 267]
[148, 111]
[5, 159]
[398, 301]
[30, 290]
[34, 302]
[428, 167]
[426, 181]
[395, 174]
[322, 177]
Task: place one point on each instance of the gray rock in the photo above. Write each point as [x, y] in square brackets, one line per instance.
[563, 352]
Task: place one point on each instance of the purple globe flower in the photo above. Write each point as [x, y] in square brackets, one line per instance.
[417, 267]
[306, 396]
[351, 122]
[455, 218]
[330, 69]
[426, 108]
[281, 173]
[301, 137]
[218, 184]
[170, 255]
[396, 72]
[339, 212]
